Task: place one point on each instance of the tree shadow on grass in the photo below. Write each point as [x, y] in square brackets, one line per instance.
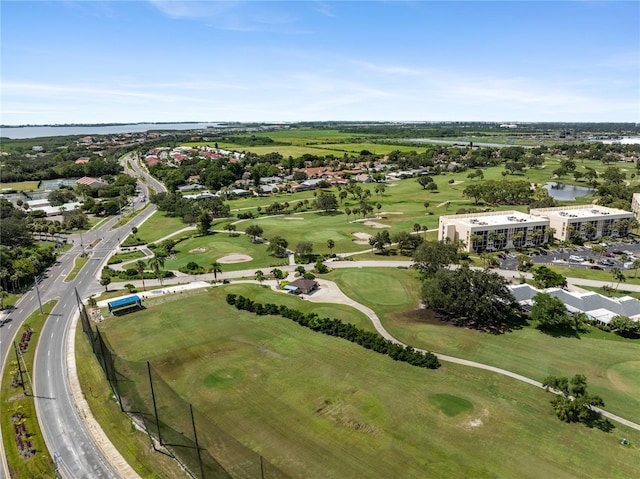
[595, 420]
[559, 332]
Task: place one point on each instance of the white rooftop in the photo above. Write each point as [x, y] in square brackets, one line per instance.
[586, 211]
[508, 218]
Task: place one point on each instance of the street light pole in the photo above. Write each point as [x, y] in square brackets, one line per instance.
[35, 282]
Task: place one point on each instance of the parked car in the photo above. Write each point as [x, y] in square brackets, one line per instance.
[595, 266]
[617, 251]
[576, 259]
[606, 262]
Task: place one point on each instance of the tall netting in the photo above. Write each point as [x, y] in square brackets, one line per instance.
[173, 425]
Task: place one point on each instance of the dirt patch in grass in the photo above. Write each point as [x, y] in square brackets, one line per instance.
[373, 224]
[235, 258]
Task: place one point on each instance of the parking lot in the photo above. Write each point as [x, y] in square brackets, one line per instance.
[581, 257]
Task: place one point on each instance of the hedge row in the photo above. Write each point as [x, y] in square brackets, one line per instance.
[335, 327]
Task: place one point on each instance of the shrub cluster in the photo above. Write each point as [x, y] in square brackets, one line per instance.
[335, 327]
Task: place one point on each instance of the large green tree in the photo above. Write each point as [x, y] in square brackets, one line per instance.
[545, 277]
[551, 314]
[573, 402]
[475, 298]
[278, 246]
[430, 256]
[326, 201]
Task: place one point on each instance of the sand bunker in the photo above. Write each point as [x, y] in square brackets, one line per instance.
[373, 224]
[197, 250]
[234, 258]
[457, 182]
[391, 213]
[294, 218]
[362, 238]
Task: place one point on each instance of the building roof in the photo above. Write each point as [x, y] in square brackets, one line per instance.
[303, 283]
[578, 211]
[596, 306]
[510, 218]
[87, 180]
[117, 303]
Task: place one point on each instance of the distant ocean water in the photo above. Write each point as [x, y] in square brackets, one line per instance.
[23, 132]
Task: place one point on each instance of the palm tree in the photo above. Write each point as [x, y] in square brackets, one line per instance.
[260, 276]
[215, 269]
[618, 276]
[140, 266]
[156, 264]
[331, 244]
[636, 265]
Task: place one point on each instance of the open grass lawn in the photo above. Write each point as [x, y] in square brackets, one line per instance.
[20, 186]
[204, 250]
[12, 402]
[130, 442]
[595, 274]
[317, 406]
[609, 362]
[158, 226]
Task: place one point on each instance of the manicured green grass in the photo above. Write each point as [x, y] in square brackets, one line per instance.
[158, 226]
[216, 246]
[78, 264]
[595, 274]
[526, 351]
[40, 465]
[131, 443]
[124, 257]
[317, 406]
[20, 186]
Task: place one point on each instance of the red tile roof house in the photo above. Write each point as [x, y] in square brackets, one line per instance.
[152, 160]
[92, 182]
[82, 161]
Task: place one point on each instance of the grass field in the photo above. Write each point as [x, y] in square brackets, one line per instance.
[317, 406]
[40, 465]
[158, 226]
[130, 442]
[20, 186]
[214, 246]
[78, 264]
[607, 360]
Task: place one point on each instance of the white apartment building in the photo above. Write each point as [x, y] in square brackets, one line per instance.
[586, 221]
[494, 231]
[635, 205]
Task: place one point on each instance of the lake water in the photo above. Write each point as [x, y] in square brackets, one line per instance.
[23, 132]
[562, 192]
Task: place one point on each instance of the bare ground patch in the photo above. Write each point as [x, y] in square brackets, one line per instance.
[373, 224]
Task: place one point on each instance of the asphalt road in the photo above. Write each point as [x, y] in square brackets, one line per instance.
[64, 432]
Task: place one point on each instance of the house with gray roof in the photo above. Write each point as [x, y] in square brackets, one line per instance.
[596, 306]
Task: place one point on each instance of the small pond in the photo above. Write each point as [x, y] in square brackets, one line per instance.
[562, 192]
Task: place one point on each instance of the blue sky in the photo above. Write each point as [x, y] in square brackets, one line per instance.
[163, 60]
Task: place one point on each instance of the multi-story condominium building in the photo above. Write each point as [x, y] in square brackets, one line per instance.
[494, 231]
[588, 222]
[635, 205]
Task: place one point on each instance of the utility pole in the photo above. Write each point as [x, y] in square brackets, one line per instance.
[35, 282]
[81, 244]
